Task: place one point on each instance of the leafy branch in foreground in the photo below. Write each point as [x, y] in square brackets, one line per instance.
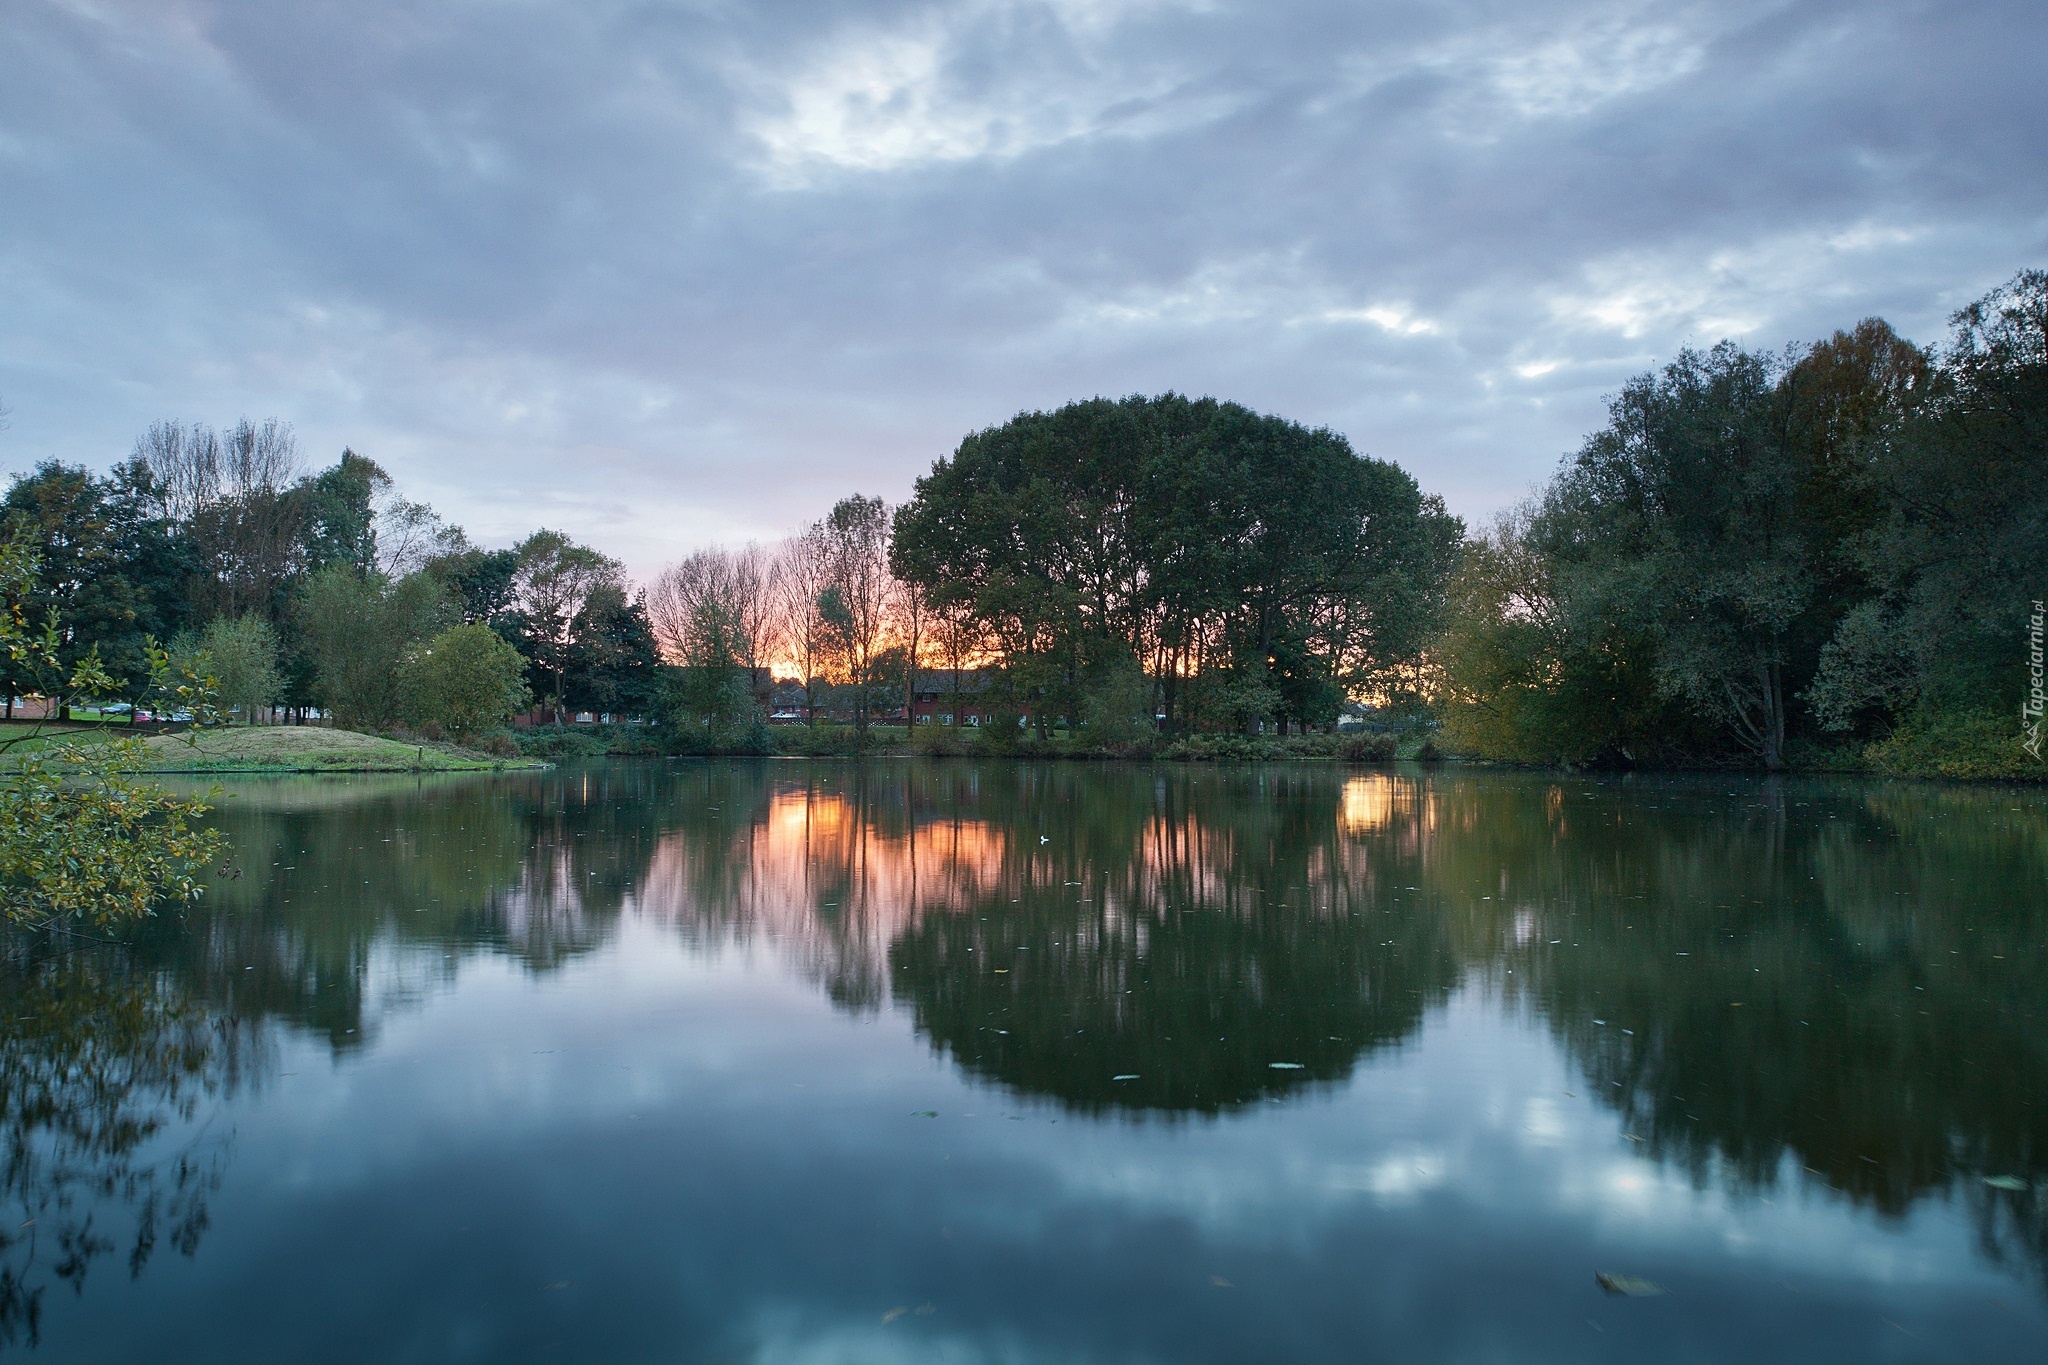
[80, 839]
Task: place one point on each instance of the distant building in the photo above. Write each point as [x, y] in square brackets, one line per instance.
[31, 708]
[943, 696]
[787, 702]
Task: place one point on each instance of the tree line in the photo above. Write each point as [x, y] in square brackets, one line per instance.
[1801, 558]
[1818, 557]
[297, 590]
[1132, 565]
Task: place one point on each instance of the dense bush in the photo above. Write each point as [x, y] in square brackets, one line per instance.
[1366, 748]
[463, 682]
[559, 742]
[1977, 744]
[1249, 748]
[938, 741]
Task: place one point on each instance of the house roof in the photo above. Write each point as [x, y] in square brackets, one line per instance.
[940, 681]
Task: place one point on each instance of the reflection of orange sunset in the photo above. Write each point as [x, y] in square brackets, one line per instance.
[836, 868]
[1368, 803]
[808, 872]
[1406, 808]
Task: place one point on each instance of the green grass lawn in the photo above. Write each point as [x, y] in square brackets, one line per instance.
[288, 749]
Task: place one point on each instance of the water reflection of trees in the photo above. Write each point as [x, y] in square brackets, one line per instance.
[356, 898]
[1057, 927]
[105, 1068]
[1765, 980]
[1832, 977]
[1185, 929]
[1787, 981]
[342, 901]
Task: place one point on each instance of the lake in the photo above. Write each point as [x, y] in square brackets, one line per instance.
[947, 1061]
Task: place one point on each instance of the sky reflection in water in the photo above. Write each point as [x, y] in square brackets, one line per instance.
[632, 1062]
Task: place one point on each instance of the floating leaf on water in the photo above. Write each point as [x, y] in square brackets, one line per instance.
[925, 1114]
[2006, 1182]
[1627, 1285]
[1131, 1076]
[1283, 1066]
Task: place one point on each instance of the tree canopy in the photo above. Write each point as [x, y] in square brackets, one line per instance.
[1194, 536]
[1762, 557]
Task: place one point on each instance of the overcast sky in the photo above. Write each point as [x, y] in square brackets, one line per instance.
[660, 274]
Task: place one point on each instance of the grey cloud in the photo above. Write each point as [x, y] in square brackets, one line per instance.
[663, 273]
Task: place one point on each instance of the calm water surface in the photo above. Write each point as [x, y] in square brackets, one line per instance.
[951, 1062]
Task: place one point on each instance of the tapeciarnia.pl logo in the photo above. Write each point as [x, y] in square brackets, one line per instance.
[2031, 708]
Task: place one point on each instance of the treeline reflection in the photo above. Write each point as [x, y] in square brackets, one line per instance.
[103, 1066]
[1767, 981]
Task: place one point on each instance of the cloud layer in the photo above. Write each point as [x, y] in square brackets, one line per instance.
[667, 273]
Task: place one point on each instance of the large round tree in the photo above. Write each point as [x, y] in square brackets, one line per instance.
[1257, 569]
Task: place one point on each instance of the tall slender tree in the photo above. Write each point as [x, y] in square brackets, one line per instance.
[554, 578]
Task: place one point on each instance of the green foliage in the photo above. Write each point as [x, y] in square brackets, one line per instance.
[709, 700]
[482, 584]
[1976, 743]
[938, 741]
[614, 666]
[554, 579]
[339, 508]
[357, 629]
[1147, 529]
[1116, 705]
[79, 839]
[241, 655]
[1858, 527]
[104, 573]
[1517, 681]
[1367, 748]
[465, 681]
[561, 742]
[1680, 523]
[1225, 699]
[1250, 748]
[824, 741]
[1954, 552]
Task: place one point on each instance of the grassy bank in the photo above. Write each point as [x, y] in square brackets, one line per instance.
[288, 749]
